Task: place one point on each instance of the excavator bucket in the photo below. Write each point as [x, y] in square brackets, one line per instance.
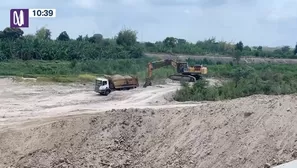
[147, 83]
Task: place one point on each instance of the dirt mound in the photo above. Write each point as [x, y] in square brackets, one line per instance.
[246, 133]
[117, 77]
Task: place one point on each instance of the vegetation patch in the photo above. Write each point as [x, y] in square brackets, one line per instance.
[245, 80]
[87, 77]
[80, 71]
[82, 58]
[14, 44]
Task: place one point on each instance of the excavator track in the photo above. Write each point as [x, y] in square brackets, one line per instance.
[182, 78]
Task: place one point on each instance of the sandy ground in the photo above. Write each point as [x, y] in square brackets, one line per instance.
[227, 59]
[68, 126]
[30, 100]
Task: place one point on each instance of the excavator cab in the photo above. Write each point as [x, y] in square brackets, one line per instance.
[181, 67]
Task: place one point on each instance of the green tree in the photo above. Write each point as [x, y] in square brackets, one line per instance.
[247, 48]
[2, 35]
[285, 49]
[96, 38]
[170, 42]
[63, 36]
[12, 33]
[29, 37]
[239, 46]
[237, 56]
[238, 51]
[295, 50]
[79, 38]
[149, 44]
[86, 38]
[259, 48]
[181, 41]
[126, 37]
[43, 33]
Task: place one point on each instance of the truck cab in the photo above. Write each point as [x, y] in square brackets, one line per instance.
[102, 86]
[106, 84]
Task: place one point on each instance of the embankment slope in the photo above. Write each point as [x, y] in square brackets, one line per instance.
[246, 133]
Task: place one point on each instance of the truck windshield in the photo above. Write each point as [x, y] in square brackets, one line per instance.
[99, 82]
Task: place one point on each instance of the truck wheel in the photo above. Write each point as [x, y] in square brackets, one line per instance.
[107, 92]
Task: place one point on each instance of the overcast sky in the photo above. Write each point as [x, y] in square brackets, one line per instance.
[255, 22]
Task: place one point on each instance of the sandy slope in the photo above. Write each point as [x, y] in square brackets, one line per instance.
[240, 133]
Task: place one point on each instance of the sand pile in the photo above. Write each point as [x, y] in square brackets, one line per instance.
[246, 133]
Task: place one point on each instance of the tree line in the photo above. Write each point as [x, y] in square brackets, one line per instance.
[213, 47]
[15, 45]
[40, 46]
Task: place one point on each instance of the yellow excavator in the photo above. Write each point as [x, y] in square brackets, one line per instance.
[185, 72]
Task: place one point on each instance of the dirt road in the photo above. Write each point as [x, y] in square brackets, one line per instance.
[29, 100]
[227, 59]
[143, 128]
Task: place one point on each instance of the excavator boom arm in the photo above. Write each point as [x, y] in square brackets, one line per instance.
[159, 64]
[155, 65]
[185, 73]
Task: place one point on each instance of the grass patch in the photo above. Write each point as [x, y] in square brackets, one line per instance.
[59, 79]
[63, 79]
[80, 71]
[87, 77]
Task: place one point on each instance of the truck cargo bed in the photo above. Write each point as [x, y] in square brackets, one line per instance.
[118, 82]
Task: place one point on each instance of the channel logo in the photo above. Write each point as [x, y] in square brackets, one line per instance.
[19, 18]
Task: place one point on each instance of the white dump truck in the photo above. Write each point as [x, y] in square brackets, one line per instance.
[105, 85]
